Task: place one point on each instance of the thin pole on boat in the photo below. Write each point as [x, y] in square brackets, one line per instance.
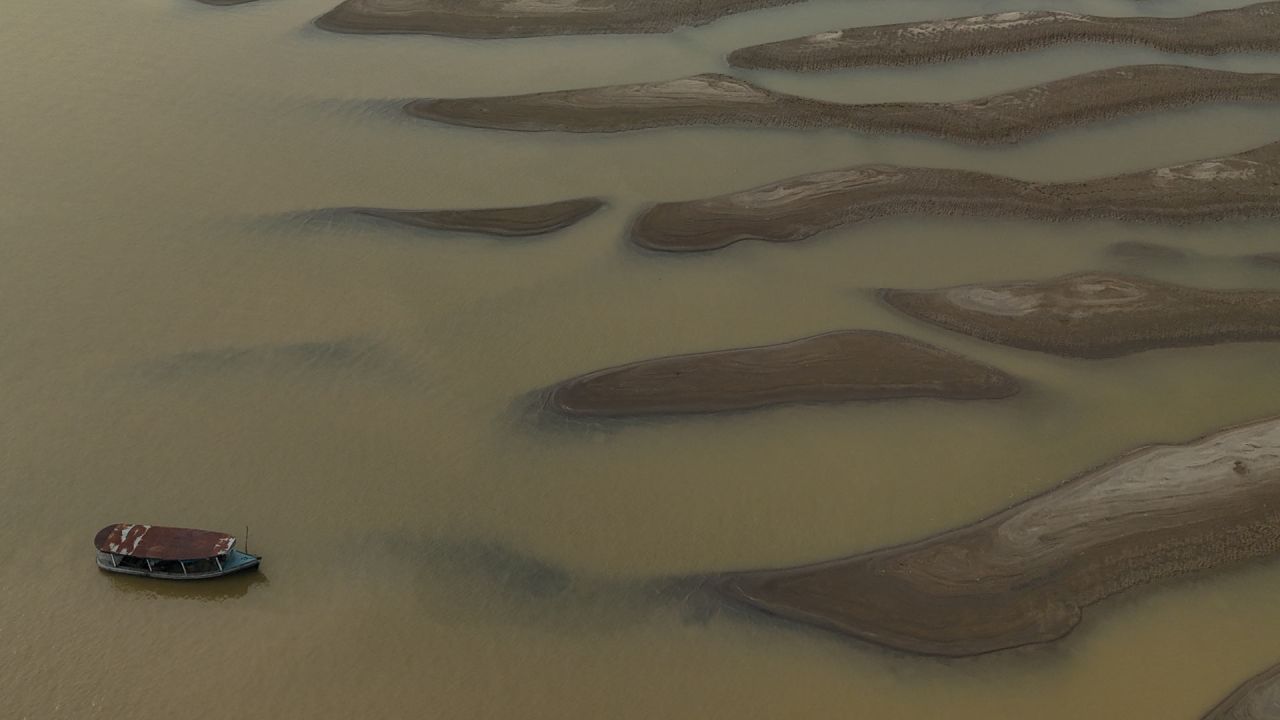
[246, 539]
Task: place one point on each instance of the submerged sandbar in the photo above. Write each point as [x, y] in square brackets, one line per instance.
[1252, 28]
[529, 18]
[1093, 315]
[1233, 187]
[1024, 575]
[721, 100]
[833, 367]
[506, 222]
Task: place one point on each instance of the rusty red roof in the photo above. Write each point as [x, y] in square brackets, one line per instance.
[162, 543]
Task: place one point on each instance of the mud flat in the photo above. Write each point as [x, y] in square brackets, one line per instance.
[1024, 575]
[1240, 186]
[529, 18]
[1096, 316]
[834, 367]
[1257, 699]
[1252, 28]
[506, 222]
[714, 99]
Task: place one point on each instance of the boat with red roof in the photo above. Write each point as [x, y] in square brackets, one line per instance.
[170, 553]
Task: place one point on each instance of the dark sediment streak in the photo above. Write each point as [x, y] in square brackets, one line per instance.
[722, 100]
[1271, 260]
[225, 2]
[321, 355]
[1096, 316]
[1024, 575]
[507, 222]
[529, 18]
[1137, 250]
[1145, 252]
[1246, 185]
[1256, 699]
[1252, 28]
[837, 366]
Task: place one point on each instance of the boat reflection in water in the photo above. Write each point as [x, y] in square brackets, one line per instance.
[170, 553]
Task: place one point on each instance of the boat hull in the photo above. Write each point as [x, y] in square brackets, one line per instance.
[235, 562]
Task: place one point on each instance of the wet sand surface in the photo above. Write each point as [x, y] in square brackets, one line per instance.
[1252, 28]
[184, 340]
[506, 222]
[837, 366]
[1256, 699]
[716, 99]
[1096, 316]
[529, 18]
[1238, 186]
[1024, 575]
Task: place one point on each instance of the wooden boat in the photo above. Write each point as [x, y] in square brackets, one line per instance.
[169, 553]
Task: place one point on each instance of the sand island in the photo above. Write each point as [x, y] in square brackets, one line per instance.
[721, 100]
[1093, 315]
[1257, 699]
[1025, 575]
[1246, 185]
[506, 222]
[833, 367]
[529, 18]
[1254, 28]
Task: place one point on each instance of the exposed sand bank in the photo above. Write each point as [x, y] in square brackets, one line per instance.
[1025, 574]
[1257, 699]
[1246, 185]
[1092, 315]
[529, 18]
[837, 366]
[723, 100]
[1252, 28]
[506, 222]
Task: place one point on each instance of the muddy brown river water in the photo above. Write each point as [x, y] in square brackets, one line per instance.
[188, 338]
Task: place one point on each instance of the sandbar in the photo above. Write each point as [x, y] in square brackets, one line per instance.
[721, 100]
[1246, 185]
[833, 367]
[1257, 699]
[1094, 315]
[1024, 575]
[506, 222]
[493, 19]
[1255, 28]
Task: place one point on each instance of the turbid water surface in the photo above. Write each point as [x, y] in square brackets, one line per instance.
[185, 341]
